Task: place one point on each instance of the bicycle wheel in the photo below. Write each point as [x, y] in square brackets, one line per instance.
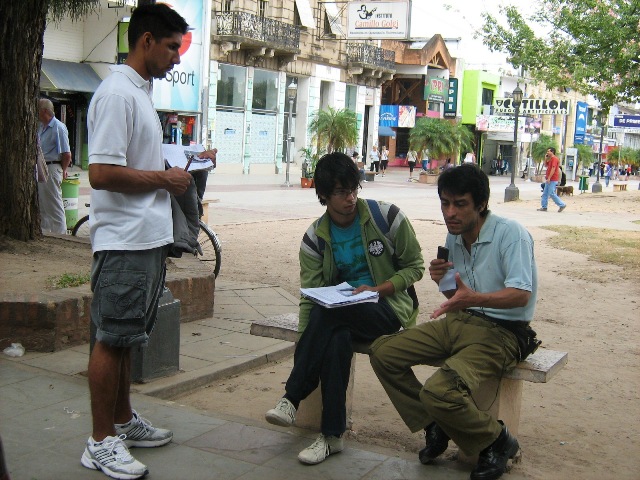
[211, 248]
[81, 228]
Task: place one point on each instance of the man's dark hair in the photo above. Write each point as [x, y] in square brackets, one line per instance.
[335, 168]
[553, 150]
[467, 178]
[158, 19]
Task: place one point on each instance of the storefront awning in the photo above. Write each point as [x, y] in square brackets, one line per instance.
[386, 132]
[68, 76]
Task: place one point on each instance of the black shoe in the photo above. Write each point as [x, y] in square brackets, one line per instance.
[492, 461]
[437, 442]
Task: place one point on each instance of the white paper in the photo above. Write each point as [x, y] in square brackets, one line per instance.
[177, 156]
[338, 295]
[448, 282]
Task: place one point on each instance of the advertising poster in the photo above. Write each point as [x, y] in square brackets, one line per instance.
[180, 89]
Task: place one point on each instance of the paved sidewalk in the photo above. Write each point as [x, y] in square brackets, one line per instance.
[45, 412]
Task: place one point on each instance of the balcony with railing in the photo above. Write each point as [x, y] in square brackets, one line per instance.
[263, 36]
[362, 56]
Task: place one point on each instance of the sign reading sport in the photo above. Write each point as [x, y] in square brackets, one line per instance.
[378, 20]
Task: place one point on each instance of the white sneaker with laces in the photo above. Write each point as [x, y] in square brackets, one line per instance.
[112, 458]
[283, 414]
[140, 433]
[321, 449]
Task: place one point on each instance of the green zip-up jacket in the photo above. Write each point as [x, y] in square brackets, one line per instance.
[393, 255]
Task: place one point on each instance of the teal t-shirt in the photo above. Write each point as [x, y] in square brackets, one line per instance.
[349, 254]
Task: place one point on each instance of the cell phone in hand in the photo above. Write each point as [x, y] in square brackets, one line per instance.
[443, 254]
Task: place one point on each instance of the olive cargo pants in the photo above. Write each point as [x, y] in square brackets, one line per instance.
[468, 351]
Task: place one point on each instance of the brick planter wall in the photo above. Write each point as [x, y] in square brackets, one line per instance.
[59, 319]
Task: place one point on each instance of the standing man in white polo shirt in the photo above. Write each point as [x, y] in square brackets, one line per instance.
[131, 230]
[54, 141]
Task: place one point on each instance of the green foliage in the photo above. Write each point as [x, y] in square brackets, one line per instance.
[334, 129]
[585, 154]
[588, 45]
[625, 155]
[67, 280]
[441, 137]
[58, 9]
[310, 160]
[540, 147]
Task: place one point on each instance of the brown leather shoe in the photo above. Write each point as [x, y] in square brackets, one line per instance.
[437, 442]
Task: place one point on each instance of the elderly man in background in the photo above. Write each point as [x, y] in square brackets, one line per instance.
[54, 141]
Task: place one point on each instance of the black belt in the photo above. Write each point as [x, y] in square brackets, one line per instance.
[508, 324]
[49, 163]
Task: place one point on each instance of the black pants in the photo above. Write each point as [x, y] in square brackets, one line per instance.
[375, 165]
[324, 353]
[200, 177]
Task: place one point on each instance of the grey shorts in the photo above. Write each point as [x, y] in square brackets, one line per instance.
[126, 286]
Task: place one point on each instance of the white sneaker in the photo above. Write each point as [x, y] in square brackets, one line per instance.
[321, 449]
[140, 433]
[283, 414]
[112, 458]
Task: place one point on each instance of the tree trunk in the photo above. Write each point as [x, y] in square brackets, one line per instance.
[22, 25]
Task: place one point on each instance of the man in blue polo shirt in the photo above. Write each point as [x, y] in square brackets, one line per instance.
[54, 141]
[490, 282]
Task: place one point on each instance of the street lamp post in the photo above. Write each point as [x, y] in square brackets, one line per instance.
[292, 90]
[597, 186]
[512, 193]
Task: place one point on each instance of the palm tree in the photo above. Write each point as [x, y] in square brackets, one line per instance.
[441, 137]
[544, 143]
[334, 129]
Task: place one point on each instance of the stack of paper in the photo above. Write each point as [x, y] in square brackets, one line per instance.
[338, 295]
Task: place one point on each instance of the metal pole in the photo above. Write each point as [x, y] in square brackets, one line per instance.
[286, 182]
[597, 187]
[512, 193]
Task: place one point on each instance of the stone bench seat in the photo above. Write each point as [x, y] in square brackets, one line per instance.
[619, 187]
[540, 367]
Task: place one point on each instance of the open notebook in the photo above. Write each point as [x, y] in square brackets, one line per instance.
[338, 295]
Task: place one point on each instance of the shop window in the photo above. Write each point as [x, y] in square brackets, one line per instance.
[351, 96]
[231, 86]
[262, 8]
[265, 91]
[487, 96]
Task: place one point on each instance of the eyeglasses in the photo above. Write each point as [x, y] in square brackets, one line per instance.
[345, 192]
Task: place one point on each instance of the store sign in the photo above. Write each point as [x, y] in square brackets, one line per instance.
[496, 123]
[582, 110]
[628, 121]
[378, 20]
[451, 103]
[533, 106]
[434, 89]
[388, 116]
[180, 89]
[403, 116]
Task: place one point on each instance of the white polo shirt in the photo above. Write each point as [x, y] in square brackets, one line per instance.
[124, 129]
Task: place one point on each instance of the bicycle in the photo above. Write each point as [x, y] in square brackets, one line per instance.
[207, 238]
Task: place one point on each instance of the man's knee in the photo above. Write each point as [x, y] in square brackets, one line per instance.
[442, 390]
[382, 356]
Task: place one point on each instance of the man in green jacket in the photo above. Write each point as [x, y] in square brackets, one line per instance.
[372, 246]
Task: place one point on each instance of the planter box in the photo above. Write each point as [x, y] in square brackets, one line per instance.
[428, 178]
[306, 182]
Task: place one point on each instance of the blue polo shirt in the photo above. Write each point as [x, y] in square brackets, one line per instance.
[501, 257]
[54, 140]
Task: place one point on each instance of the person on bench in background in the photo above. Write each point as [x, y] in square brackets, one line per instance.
[372, 246]
[490, 282]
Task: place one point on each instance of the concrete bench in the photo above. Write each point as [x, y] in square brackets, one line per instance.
[369, 176]
[505, 404]
[205, 209]
[619, 187]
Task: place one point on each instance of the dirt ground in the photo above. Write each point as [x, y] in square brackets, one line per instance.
[584, 424]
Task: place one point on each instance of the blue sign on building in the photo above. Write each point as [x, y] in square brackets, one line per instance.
[388, 115]
[627, 121]
[581, 122]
